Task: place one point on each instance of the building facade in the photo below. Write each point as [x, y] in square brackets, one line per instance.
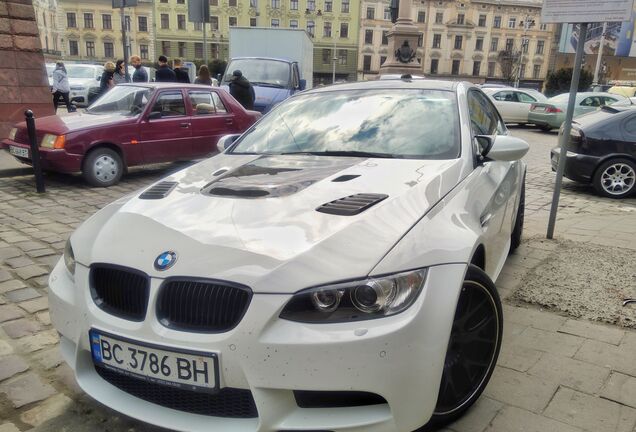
[92, 30]
[50, 35]
[474, 40]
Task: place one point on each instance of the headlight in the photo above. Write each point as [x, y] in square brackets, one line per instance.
[69, 258]
[12, 134]
[53, 141]
[356, 301]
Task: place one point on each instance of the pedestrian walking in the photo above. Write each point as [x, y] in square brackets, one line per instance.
[140, 74]
[204, 76]
[242, 90]
[61, 86]
[164, 73]
[119, 77]
[180, 72]
[107, 80]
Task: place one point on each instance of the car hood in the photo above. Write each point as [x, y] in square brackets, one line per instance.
[74, 122]
[266, 96]
[275, 242]
[83, 82]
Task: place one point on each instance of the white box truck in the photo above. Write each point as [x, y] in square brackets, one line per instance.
[278, 62]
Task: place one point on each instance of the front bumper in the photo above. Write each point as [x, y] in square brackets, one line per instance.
[399, 358]
[578, 167]
[58, 160]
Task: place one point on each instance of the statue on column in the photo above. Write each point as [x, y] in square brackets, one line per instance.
[395, 9]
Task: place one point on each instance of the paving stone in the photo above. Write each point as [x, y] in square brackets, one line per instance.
[5, 348]
[620, 388]
[10, 312]
[40, 281]
[21, 327]
[10, 366]
[8, 427]
[619, 358]
[31, 271]
[50, 358]
[517, 357]
[590, 413]
[29, 246]
[37, 305]
[46, 411]
[26, 389]
[44, 318]
[41, 252]
[478, 416]
[513, 419]
[519, 389]
[9, 252]
[38, 341]
[586, 377]
[11, 285]
[17, 296]
[603, 333]
[535, 318]
[64, 374]
[18, 262]
[5, 275]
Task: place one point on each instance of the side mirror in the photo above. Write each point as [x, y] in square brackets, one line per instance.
[154, 115]
[302, 84]
[506, 148]
[225, 141]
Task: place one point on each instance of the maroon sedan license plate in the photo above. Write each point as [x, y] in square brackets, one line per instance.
[19, 151]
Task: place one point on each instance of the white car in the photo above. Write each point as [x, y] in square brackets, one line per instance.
[332, 269]
[514, 103]
[82, 78]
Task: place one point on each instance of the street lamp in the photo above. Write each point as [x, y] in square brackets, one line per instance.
[334, 59]
[527, 24]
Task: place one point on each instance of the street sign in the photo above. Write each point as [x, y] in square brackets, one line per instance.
[199, 11]
[586, 11]
[127, 3]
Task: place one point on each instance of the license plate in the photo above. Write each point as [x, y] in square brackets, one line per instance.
[19, 151]
[160, 365]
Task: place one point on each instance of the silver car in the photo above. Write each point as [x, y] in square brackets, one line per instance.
[514, 104]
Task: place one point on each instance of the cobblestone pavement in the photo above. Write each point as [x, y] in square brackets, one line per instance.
[555, 374]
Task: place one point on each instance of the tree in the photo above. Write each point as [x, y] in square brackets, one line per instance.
[560, 81]
[508, 63]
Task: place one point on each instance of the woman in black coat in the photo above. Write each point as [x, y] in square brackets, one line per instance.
[107, 80]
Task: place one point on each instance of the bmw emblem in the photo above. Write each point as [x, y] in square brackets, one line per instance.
[165, 260]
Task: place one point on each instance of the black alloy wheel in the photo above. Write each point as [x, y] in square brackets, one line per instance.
[473, 347]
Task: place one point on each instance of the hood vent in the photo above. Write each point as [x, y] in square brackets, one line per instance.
[351, 205]
[345, 178]
[159, 191]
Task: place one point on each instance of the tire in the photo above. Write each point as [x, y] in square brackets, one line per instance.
[546, 128]
[615, 178]
[102, 167]
[473, 347]
[517, 230]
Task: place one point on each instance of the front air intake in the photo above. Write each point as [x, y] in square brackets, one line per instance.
[158, 191]
[351, 205]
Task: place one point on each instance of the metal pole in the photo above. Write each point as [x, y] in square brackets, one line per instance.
[205, 37]
[334, 59]
[600, 55]
[567, 127]
[35, 151]
[123, 38]
[523, 39]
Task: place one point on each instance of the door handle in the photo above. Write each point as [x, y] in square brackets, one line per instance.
[185, 125]
[229, 121]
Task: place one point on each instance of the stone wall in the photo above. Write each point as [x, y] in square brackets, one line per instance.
[23, 81]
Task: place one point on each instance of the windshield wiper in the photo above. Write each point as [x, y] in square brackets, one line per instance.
[352, 153]
[264, 84]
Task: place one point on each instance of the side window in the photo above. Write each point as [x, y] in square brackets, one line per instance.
[170, 105]
[505, 96]
[525, 98]
[218, 103]
[202, 103]
[592, 101]
[608, 100]
[484, 118]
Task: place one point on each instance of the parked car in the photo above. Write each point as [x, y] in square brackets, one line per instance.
[332, 269]
[134, 124]
[514, 103]
[551, 114]
[602, 151]
[84, 79]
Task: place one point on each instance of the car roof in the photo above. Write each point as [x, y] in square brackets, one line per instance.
[392, 84]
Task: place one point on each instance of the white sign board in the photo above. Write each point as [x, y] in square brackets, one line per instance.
[586, 11]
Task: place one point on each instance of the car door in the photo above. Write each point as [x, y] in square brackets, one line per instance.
[505, 103]
[496, 183]
[165, 130]
[524, 102]
[211, 119]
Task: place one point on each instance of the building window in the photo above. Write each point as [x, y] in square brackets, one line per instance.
[366, 63]
[345, 6]
[90, 49]
[524, 45]
[421, 16]
[482, 21]
[434, 66]
[182, 49]
[143, 52]
[326, 29]
[165, 21]
[198, 50]
[275, 23]
[344, 30]
[342, 57]
[252, 22]
[540, 46]
[512, 22]
[460, 18]
[455, 67]
[181, 23]
[88, 20]
[385, 37]
[479, 44]
[510, 44]
[311, 5]
[491, 69]
[328, 6]
[198, 26]
[420, 40]
[382, 59]
[476, 67]
[536, 71]
[165, 48]
[73, 48]
[127, 22]
[522, 72]
[458, 42]
[543, 27]
[232, 3]
[253, 3]
[164, 1]
[109, 51]
[311, 28]
[387, 14]
[326, 56]
[180, 1]
[293, 24]
[142, 21]
[437, 40]
[107, 22]
[368, 37]
[232, 21]
[275, 4]
[494, 44]
[370, 13]
[214, 22]
[293, 5]
[497, 22]
[439, 18]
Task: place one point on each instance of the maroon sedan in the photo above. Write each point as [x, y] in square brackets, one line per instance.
[134, 124]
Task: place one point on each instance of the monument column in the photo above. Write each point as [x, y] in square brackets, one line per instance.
[403, 38]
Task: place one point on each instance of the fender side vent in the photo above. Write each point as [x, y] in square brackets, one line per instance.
[346, 177]
[159, 191]
[351, 205]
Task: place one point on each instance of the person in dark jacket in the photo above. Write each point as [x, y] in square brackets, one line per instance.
[107, 81]
[180, 72]
[140, 74]
[119, 77]
[241, 89]
[164, 73]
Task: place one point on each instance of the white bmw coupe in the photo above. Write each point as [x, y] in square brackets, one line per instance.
[332, 269]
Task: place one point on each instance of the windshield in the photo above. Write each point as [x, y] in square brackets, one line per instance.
[261, 71]
[81, 71]
[124, 99]
[381, 123]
